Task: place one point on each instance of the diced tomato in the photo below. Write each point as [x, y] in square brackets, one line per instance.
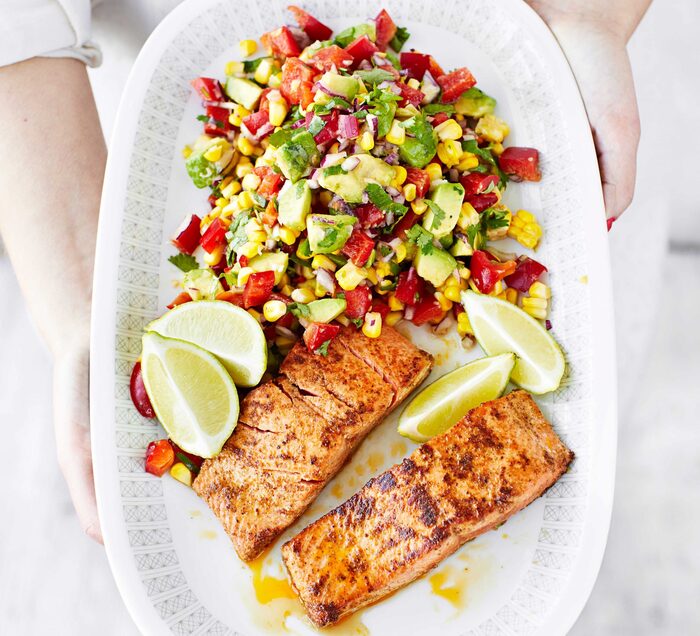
[219, 268]
[386, 29]
[187, 236]
[235, 298]
[160, 456]
[359, 301]
[455, 83]
[476, 183]
[255, 121]
[270, 332]
[193, 462]
[427, 310]
[358, 247]
[521, 164]
[180, 299]
[361, 49]
[482, 201]
[243, 260]
[405, 223]
[487, 272]
[270, 214]
[380, 307]
[439, 118]
[330, 131]
[271, 182]
[410, 287]
[286, 320]
[214, 236]
[369, 215]
[297, 81]
[137, 389]
[264, 101]
[410, 95]
[420, 179]
[435, 69]
[281, 43]
[315, 29]
[415, 64]
[258, 289]
[218, 123]
[317, 333]
[208, 89]
[526, 272]
[331, 56]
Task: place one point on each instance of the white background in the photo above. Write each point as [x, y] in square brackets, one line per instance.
[53, 579]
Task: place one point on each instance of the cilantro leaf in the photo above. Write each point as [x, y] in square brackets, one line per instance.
[329, 239]
[358, 322]
[399, 38]
[236, 236]
[334, 102]
[250, 66]
[489, 219]
[184, 262]
[422, 238]
[300, 310]
[352, 33]
[332, 170]
[383, 201]
[438, 214]
[375, 76]
[322, 349]
[486, 156]
[432, 109]
[316, 125]
[394, 60]
[203, 118]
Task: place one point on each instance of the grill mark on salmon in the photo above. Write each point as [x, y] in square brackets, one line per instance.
[495, 461]
[295, 432]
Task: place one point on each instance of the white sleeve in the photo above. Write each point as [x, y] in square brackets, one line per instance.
[46, 28]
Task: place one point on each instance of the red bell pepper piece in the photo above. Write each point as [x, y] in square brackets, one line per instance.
[385, 28]
[208, 89]
[526, 272]
[380, 307]
[317, 333]
[180, 299]
[476, 183]
[187, 236]
[255, 121]
[486, 272]
[297, 82]
[427, 310]
[258, 289]
[264, 101]
[235, 298]
[271, 182]
[521, 164]
[218, 124]
[281, 43]
[314, 28]
[369, 215]
[455, 83]
[359, 301]
[332, 56]
[405, 223]
[415, 64]
[420, 179]
[435, 69]
[270, 214]
[160, 456]
[410, 95]
[358, 247]
[361, 49]
[214, 236]
[137, 390]
[481, 201]
[410, 287]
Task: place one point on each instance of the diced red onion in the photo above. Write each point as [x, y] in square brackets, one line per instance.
[392, 191]
[400, 198]
[350, 163]
[394, 243]
[326, 280]
[408, 313]
[264, 130]
[283, 331]
[548, 324]
[365, 197]
[312, 183]
[324, 89]
[227, 105]
[299, 123]
[345, 144]
[348, 127]
[333, 158]
[392, 158]
[389, 218]
[444, 326]
[365, 65]
[270, 244]
[372, 124]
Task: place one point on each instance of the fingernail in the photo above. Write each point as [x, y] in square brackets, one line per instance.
[611, 220]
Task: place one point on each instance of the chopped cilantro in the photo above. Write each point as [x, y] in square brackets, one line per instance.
[383, 201]
[300, 310]
[334, 102]
[399, 38]
[322, 349]
[316, 125]
[352, 33]
[438, 214]
[203, 118]
[489, 219]
[422, 238]
[185, 262]
[375, 76]
[333, 170]
[236, 236]
[329, 239]
[486, 156]
[358, 322]
[250, 66]
[432, 109]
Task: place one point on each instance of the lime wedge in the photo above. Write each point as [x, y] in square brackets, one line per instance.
[447, 400]
[191, 392]
[227, 331]
[500, 326]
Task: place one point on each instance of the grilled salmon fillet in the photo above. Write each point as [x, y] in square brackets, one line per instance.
[295, 432]
[495, 461]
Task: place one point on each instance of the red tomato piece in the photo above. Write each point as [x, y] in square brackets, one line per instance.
[482, 201]
[331, 56]
[380, 307]
[193, 462]
[476, 183]
[258, 289]
[369, 215]
[314, 28]
[526, 272]
[214, 236]
[187, 236]
[415, 64]
[521, 164]
[435, 69]
[255, 121]
[160, 456]
[427, 310]
[386, 29]
[410, 287]
[137, 390]
[455, 83]
[361, 49]
[297, 81]
[405, 223]
[180, 299]
[486, 272]
[410, 95]
[208, 89]
[317, 333]
[359, 301]
[235, 298]
[281, 43]
[264, 101]
[271, 182]
[420, 179]
[218, 124]
[270, 214]
[358, 247]
[330, 131]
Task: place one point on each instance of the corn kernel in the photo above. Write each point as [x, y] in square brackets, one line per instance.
[473, 286]
[409, 192]
[251, 182]
[467, 216]
[335, 147]
[213, 257]
[419, 206]
[287, 236]
[497, 149]
[232, 188]
[449, 152]
[250, 249]
[243, 276]
[321, 261]
[245, 201]
[287, 289]
[434, 171]
[257, 237]
[498, 288]
[468, 161]
[445, 303]
[396, 134]
[372, 326]
[247, 47]
[449, 129]
[244, 168]
[325, 197]
[413, 83]
[303, 295]
[394, 303]
[214, 153]
[186, 152]
[237, 115]
[452, 292]
[349, 276]
[278, 110]
[512, 295]
[264, 72]
[284, 343]
[256, 314]
[234, 68]
[540, 290]
[393, 317]
[400, 175]
[273, 310]
[383, 269]
[275, 80]
[464, 327]
[244, 145]
[464, 273]
[540, 303]
[366, 141]
[308, 273]
[493, 128]
[253, 225]
[180, 472]
[400, 252]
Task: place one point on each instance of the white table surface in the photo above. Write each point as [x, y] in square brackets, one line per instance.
[54, 580]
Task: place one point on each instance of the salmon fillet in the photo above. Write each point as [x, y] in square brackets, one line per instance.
[495, 461]
[295, 433]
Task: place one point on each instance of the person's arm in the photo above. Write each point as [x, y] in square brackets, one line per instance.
[53, 155]
[594, 35]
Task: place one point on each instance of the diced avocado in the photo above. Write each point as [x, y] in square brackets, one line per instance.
[327, 232]
[270, 262]
[294, 203]
[341, 85]
[326, 309]
[475, 103]
[417, 151]
[434, 267]
[243, 91]
[448, 198]
[203, 171]
[351, 34]
[461, 247]
[351, 185]
[375, 170]
[202, 284]
[297, 155]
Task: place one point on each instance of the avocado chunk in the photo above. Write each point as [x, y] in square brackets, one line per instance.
[201, 284]
[350, 186]
[418, 150]
[434, 267]
[340, 85]
[446, 199]
[461, 246]
[296, 156]
[327, 232]
[243, 91]
[294, 203]
[202, 171]
[475, 103]
[270, 262]
[326, 309]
